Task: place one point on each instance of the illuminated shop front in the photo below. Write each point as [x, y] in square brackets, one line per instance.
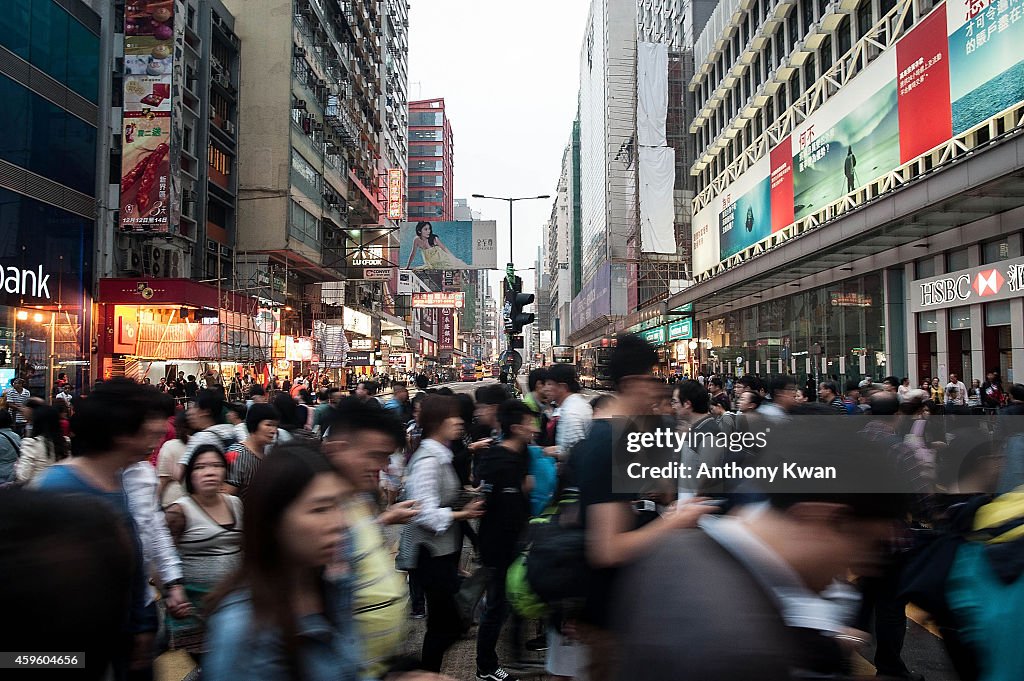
[159, 327]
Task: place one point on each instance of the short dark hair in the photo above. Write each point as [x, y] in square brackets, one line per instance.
[563, 373]
[755, 397]
[852, 385]
[490, 394]
[715, 380]
[191, 465]
[352, 415]
[1017, 392]
[257, 390]
[5, 419]
[893, 381]
[213, 402]
[883, 404]
[258, 413]
[694, 393]
[115, 408]
[435, 410]
[830, 386]
[632, 356]
[780, 383]
[601, 401]
[536, 376]
[512, 413]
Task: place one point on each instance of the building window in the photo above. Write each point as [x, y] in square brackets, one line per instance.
[434, 118]
[864, 19]
[303, 225]
[425, 165]
[998, 313]
[1000, 249]
[926, 322]
[957, 260]
[924, 268]
[845, 41]
[219, 161]
[960, 318]
[425, 135]
[426, 150]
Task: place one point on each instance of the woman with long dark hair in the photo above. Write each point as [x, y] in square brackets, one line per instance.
[46, 447]
[436, 255]
[278, 618]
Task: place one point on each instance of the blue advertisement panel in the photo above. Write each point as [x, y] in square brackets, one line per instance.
[748, 219]
[460, 245]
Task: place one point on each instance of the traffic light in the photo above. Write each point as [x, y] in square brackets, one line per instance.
[515, 301]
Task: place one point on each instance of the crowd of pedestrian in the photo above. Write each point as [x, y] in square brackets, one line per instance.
[297, 532]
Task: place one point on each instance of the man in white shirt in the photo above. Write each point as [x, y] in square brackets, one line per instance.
[573, 412]
[17, 395]
[961, 390]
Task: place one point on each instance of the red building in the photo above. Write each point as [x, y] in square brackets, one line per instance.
[431, 187]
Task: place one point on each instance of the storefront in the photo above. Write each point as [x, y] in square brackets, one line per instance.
[45, 298]
[152, 328]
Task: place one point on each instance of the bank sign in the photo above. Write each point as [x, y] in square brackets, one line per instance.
[984, 284]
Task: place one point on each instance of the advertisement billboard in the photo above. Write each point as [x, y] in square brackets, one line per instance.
[146, 196]
[395, 194]
[957, 67]
[461, 245]
[986, 63]
[447, 299]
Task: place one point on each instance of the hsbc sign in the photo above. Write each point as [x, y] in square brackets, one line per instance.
[997, 281]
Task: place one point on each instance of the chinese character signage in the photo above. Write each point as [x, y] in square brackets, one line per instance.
[298, 349]
[448, 245]
[395, 194]
[146, 196]
[450, 299]
[446, 331]
[955, 69]
[681, 329]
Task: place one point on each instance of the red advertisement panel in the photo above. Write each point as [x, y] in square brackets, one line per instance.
[782, 185]
[922, 65]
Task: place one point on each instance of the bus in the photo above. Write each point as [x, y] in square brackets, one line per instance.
[561, 354]
[592, 365]
[469, 372]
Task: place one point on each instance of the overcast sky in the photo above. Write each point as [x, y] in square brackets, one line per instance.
[509, 75]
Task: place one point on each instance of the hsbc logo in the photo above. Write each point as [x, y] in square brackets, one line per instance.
[1003, 281]
[988, 283]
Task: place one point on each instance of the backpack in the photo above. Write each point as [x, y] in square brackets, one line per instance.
[556, 562]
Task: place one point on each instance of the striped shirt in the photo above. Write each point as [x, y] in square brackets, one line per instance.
[17, 399]
[242, 468]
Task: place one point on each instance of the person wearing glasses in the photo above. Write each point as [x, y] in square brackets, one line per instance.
[784, 394]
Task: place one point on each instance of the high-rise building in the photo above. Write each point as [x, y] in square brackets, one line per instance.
[51, 185]
[431, 162]
[836, 230]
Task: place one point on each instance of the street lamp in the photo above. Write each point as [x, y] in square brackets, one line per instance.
[511, 200]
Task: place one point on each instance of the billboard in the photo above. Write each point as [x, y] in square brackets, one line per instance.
[395, 194]
[448, 299]
[461, 245]
[146, 197]
[956, 68]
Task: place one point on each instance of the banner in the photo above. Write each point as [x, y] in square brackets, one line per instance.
[652, 93]
[450, 299]
[657, 207]
[462, 245]
[959, 66]
[986, 60]
[146, 197]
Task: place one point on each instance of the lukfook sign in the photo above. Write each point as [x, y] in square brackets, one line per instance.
[984, 284]
[29, 283]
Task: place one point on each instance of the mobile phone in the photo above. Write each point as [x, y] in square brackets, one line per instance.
[644, 506]
[714, 502]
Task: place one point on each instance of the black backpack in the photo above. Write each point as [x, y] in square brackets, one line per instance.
[557, 569]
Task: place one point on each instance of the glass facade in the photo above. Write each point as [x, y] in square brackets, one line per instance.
[837, 330]
[303, 225]
[46, 253]
[433, 118]
[42, 33]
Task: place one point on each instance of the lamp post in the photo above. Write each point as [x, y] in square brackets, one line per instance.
[511, 200]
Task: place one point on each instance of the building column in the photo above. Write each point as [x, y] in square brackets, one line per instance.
[942, 345]
[1016, 341]
[911, 329]
[977, 344]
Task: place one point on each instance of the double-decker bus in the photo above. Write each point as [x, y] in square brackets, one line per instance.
[469, 372]
[592, 364]
[561, 354]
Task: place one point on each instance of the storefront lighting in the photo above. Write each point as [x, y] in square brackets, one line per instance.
[37, 317]
[288, 308]
[22, 315]
[692, 345]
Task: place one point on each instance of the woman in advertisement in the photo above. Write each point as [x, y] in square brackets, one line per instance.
[436, 255]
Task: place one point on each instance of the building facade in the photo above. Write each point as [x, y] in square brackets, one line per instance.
[835, 233]
[54, 118]
[431, 162]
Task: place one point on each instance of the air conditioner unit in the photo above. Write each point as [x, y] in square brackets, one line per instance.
[299, 105]
[131, 258]
[226, 252]
[299, 52]
[229, 127]
[188, 196]
[318, 126]
[211, 245]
